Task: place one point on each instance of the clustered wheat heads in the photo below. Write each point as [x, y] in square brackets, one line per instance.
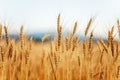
[61, 58]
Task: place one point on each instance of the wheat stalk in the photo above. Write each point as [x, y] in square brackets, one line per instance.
[84, 49]
[104, 45]
[52, 67]
[51, 49]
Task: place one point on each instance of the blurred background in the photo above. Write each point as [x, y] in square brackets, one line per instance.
[39, 17]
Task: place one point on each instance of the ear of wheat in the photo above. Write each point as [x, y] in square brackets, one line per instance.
[6, 35]
[90, 41]
[21, 37]
[59, 37]
[58, 23]
[75, 28]
[30, 46]
[45, 37]
[88, 26]
[112, 30]
[2, 53]
[59, 30]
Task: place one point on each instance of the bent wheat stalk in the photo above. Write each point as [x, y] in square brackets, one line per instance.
[45, 37]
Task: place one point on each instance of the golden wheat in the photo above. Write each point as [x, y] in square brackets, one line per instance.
[60, 59]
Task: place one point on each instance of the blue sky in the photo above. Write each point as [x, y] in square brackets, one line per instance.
[41, 15]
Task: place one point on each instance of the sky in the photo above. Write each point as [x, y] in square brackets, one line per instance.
[41, 15]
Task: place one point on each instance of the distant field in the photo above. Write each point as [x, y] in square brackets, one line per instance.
[58, 58]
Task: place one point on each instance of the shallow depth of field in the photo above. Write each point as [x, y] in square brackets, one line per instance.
[65, 58]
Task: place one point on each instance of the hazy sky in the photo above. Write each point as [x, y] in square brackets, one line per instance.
[41, 15]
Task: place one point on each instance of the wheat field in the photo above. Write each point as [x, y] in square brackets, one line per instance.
[62, 58]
